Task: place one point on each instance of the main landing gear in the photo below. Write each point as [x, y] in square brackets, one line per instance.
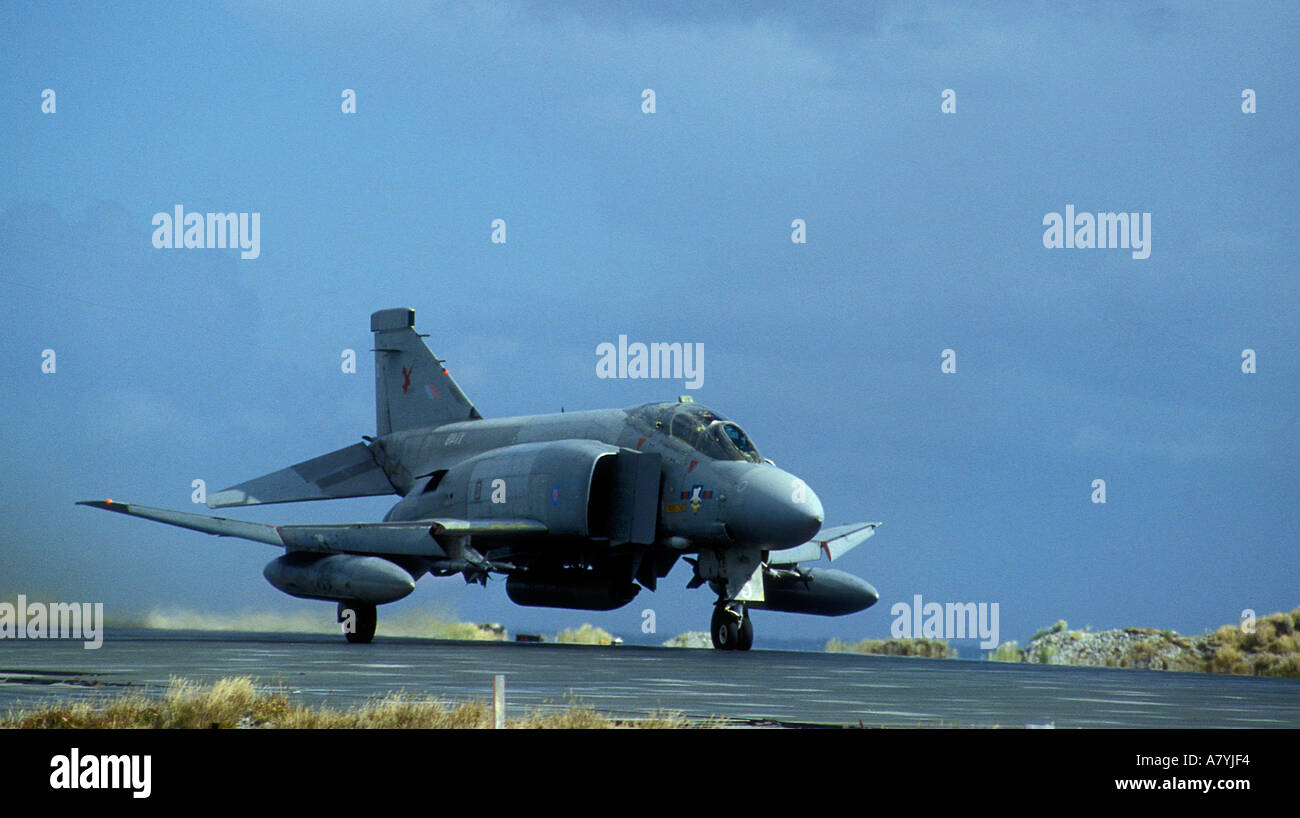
[359, 620]
[732, 629]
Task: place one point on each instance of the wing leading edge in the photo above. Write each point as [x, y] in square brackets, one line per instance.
[406, 538]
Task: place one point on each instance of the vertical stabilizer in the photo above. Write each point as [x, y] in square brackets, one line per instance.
[412, 389]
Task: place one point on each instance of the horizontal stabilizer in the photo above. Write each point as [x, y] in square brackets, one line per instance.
[830, 543]
[348, 472]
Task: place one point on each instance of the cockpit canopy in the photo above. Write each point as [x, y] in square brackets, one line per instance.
[702, 429]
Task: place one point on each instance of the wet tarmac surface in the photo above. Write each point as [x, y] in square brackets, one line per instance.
[758, 687]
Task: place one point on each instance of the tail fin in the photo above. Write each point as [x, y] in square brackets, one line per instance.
[412, 389]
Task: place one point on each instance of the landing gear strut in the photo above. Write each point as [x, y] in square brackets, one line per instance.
[359, 620]
[732, 629]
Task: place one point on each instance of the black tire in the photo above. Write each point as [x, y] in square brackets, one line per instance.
[745, 634]
[725, 629]
[367, 618]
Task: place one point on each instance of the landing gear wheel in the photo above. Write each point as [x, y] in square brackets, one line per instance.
[359, 620]
[725, 629]
[745, 635]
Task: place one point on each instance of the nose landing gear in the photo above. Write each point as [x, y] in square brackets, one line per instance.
[359, 620]
[732, 628]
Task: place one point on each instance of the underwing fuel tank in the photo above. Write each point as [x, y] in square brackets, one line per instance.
[822, 591]
[339, 577]
[585, 590]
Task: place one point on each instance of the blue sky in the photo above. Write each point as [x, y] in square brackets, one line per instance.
[924, 234]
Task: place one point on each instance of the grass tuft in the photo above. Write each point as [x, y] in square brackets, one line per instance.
[1057, 628]
[588, 634]
[1008, 652]
[241, 703]
[926, 648]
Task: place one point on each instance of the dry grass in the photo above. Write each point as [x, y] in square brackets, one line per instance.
[1272, 650]
[423, 624]
[927, 648]
[240, 702]
[1007, 652]
[577, 716]
[588, 634]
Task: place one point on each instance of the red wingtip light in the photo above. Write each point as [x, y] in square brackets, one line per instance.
[444, 371]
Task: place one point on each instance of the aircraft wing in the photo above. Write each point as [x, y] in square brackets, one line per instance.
[830, 543]
[404, 538]
[348, 472]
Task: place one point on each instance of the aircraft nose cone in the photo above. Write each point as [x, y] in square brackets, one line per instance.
[775, 509]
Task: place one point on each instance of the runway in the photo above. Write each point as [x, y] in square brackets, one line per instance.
[758, 687]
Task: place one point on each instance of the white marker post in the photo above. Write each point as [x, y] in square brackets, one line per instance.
[499, 701]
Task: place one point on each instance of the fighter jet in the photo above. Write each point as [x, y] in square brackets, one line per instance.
[576, 509]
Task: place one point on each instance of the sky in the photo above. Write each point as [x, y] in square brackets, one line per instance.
[924, 232]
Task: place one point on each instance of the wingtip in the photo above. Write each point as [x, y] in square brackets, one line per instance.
[229, 497]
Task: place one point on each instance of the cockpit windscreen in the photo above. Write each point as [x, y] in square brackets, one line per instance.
[704, 430]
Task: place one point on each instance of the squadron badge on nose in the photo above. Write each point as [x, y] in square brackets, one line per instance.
[697, 494]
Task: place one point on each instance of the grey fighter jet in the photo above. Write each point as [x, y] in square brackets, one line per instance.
[576, 509]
